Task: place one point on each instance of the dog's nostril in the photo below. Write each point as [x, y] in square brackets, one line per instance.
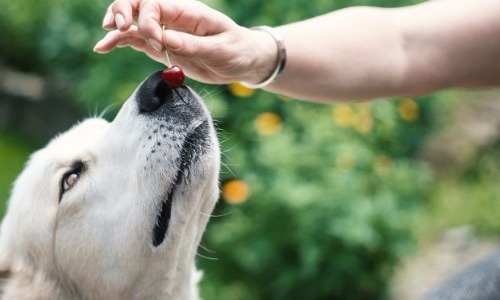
[150, 104]
[152, 93]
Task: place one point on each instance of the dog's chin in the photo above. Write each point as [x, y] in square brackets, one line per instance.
[194, 145]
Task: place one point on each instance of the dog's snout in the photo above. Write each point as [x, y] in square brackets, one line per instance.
[152, 93]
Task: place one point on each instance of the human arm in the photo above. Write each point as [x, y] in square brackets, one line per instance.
[365, 53]
[350, 54]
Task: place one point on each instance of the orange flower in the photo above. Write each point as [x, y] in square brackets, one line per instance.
[268, 123]
[408, 110]
[239, 90]
[235, 191]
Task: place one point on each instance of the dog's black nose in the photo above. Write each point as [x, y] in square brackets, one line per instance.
[152, 93]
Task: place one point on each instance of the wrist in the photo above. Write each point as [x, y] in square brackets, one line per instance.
[269, 57]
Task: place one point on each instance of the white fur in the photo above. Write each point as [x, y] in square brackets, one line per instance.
[96, 243]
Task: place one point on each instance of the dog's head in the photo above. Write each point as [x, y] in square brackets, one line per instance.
[108, 207]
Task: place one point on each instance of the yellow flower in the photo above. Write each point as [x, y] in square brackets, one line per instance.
[268, 123]
[239, 90]
[364, 107]
[235, 191]
[363, 122]
[342, 115]
[408, 110]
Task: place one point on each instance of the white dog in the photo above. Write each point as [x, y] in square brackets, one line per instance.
[115, 210]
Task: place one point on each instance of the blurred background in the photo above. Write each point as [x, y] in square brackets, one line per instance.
[371, 200]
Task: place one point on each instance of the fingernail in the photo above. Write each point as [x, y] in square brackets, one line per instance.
[119, 20]
[155, 44]
[108, 18]
[98, 45]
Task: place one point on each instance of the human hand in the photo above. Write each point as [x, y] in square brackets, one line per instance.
[205, 43]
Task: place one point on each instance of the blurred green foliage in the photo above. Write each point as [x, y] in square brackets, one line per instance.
[13, 154]
[332, 202]
[334, 189]
[469, 196]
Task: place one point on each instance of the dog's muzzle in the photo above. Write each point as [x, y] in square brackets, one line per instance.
[180, 122]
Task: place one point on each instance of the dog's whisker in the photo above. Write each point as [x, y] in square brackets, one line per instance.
[228, 168]
[224, 140]
[106, 110]
[206, 257]
[208, 94]
[224, 154]
[202, 246]
[216, 216]
[213, 257]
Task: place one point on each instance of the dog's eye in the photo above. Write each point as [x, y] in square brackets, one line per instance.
[70, 178]
[69, 181]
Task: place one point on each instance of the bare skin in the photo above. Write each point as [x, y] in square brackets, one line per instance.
[350, 54]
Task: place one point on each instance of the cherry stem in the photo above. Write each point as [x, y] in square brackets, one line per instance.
[166, 53]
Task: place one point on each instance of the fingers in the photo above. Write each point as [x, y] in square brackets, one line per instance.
[177, 43]
[116, 38]
[121, 14]
[150, 24]
[107, 43]
[187, 45]
[193, 17]
[155, 16]
[132, 38]
[195, 34]
[108, 21]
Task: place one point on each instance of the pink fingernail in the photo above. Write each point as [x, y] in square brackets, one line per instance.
[155, 44]
[108, 19]
[98, 45]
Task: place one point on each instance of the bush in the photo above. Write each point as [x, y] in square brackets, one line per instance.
[332, 201]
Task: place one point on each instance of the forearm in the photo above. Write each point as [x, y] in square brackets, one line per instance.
[349, 54]
[365, 53]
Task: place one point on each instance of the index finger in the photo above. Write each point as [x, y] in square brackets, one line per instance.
[188, 16]
[192, 16]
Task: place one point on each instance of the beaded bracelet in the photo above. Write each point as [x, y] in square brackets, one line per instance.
[280, 64]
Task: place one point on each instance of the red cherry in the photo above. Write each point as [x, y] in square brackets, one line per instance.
[173, 77]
